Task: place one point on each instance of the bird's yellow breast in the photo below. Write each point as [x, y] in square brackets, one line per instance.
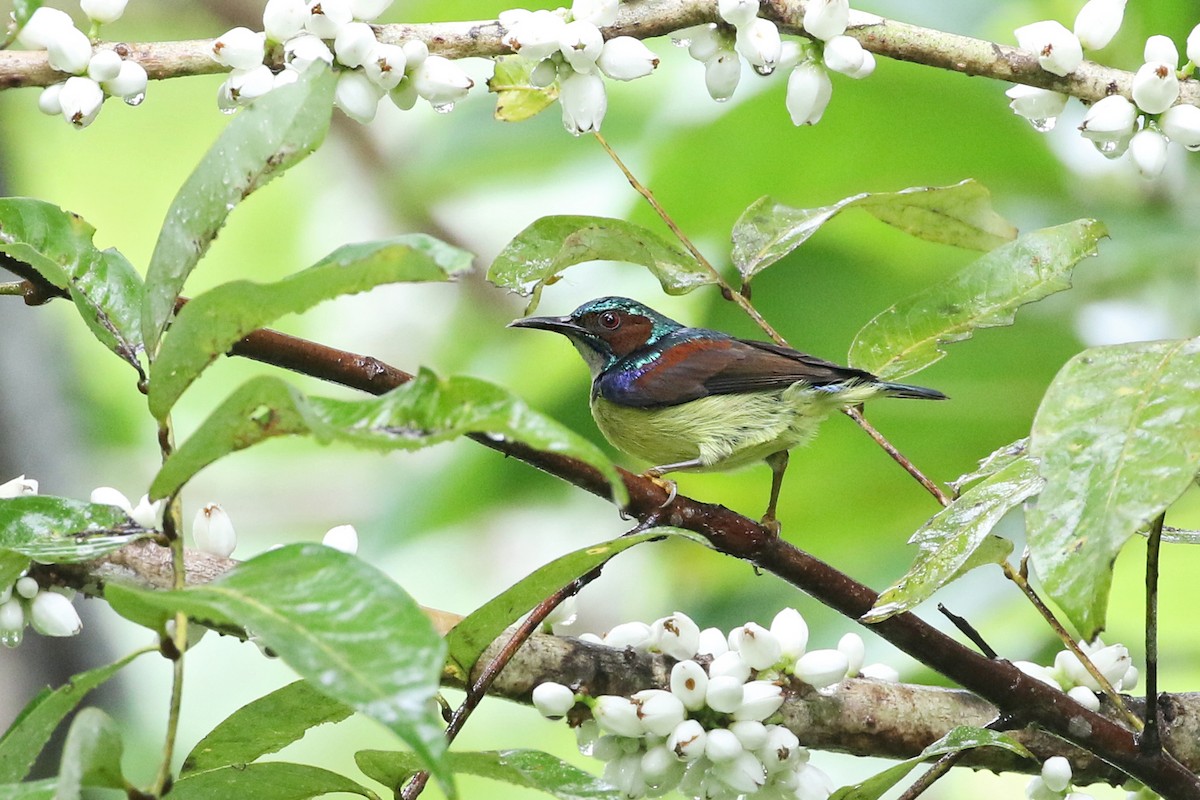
[723, 431]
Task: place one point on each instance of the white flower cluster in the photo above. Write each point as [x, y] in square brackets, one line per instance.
[336, 32]
[1070, 676]
[568, 47]
[1054, 783]
[1115, 125]
[709, 736]
[25, 602]
[96, 74]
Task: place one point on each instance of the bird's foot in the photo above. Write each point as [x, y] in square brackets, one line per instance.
[771, 524]
[668, 485]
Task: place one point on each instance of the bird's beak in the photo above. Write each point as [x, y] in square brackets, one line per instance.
[563, 325]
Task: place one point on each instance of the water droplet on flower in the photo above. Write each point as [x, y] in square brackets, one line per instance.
[677, 43]
[443, 108]
[765, 70]
[10, 638]
[1044, 125]
[135, 99]
[229, 110]
[721, 99]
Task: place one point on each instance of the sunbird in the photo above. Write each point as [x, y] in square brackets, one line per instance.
[699, 400]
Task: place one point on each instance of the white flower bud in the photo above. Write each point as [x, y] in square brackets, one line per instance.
[725, 694]
[601, 13]
[826, 19]
[780, 750]
[1033, 103]
[581, 44]
[1155, 87]
[737, 12]
[48, 104]
[722, 745]
[80, 99]
[357, 96]
[103, 11]
[688, 740]
[1161, 48]
[676, 636]
[629, 634]
[1110, 119]
[844, 54]
[729, 664]
[415, 53]
[759, 43]
[852, 647]
[583, 102]
[1056, 772]
[1085, 697]
[880, 672]
[563, 614]
[1098, 22]
[385, 66]
[53, 615]
[821, 668]
[625, 58]
[722, 73]
[867, 68]
[43, 25]
[12, 617]
[760, 699]
[1037, 789]
[227, 105]
[26, 587]
[130, 83]
[689, 683]
[1193, 45]
[240, 48]
[1180, 123]
[353, 42]
[618, 715]
[69, 50]
[625, 773]
[104, 66]
[744, 773]
[535, 36]
[812, 782]
[404, 96]
[757, 646]
[246, 85]
[212, 531]
[1057, 49]
[283, 19]
[300, 52]
[326, 17]
[790, 629]
[712, 643]
[553, 700]
[441, 82]
[660, 711]
[1148, 150]
[661, 768]
[750, 732]
[1129, 680]
[1038, 672]
[106, 495]
[368, 9]
[20, 485]
[703, 41]
[808, 93]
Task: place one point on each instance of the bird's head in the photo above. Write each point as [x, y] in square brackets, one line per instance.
[606, 330]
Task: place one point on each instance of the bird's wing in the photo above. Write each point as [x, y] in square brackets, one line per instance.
[762, 365]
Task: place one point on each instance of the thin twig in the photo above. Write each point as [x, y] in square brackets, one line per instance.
[946, 762]
[856, 414]
[967, 630]
[1151, 741]
[1106, 687]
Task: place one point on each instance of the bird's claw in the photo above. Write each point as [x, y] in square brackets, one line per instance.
[771, 524]
[668, 485]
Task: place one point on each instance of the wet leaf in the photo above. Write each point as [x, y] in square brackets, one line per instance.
[1118, 438]
[270, 780]
[539, 253]
[339, 622]
[909, 336]
[273, 134]
[91, 755]
[56, 530]
[959, 215]
[996, 461]
[517, 99]
[209, 325]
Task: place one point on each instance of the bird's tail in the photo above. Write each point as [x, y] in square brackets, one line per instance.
[911, 392]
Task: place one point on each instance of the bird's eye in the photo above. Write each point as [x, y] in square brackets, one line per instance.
[610, 320]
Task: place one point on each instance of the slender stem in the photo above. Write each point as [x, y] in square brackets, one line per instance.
[1023, 584]
[856, 414]
[491, 670]
[943, 764]
[14, 288]
[968, 630]
[1151, 741]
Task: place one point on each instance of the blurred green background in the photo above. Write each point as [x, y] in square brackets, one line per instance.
[456, 524]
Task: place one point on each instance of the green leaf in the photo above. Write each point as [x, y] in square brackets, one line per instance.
[11, 566]
[263, 726]
[996, 461]
[959, 215]
[276, 132]
[957, 539]
[339, 622]
[56, 530]
[423, 412]
[472, 635]
[270, 780]
[531, 769]
[32, 790]
[908, 336]
[517, 99]
[91, 755]
[1118, 438]
[539, 253]
[961, 738]
[31, 730]
[209, 325]
[105, 288]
